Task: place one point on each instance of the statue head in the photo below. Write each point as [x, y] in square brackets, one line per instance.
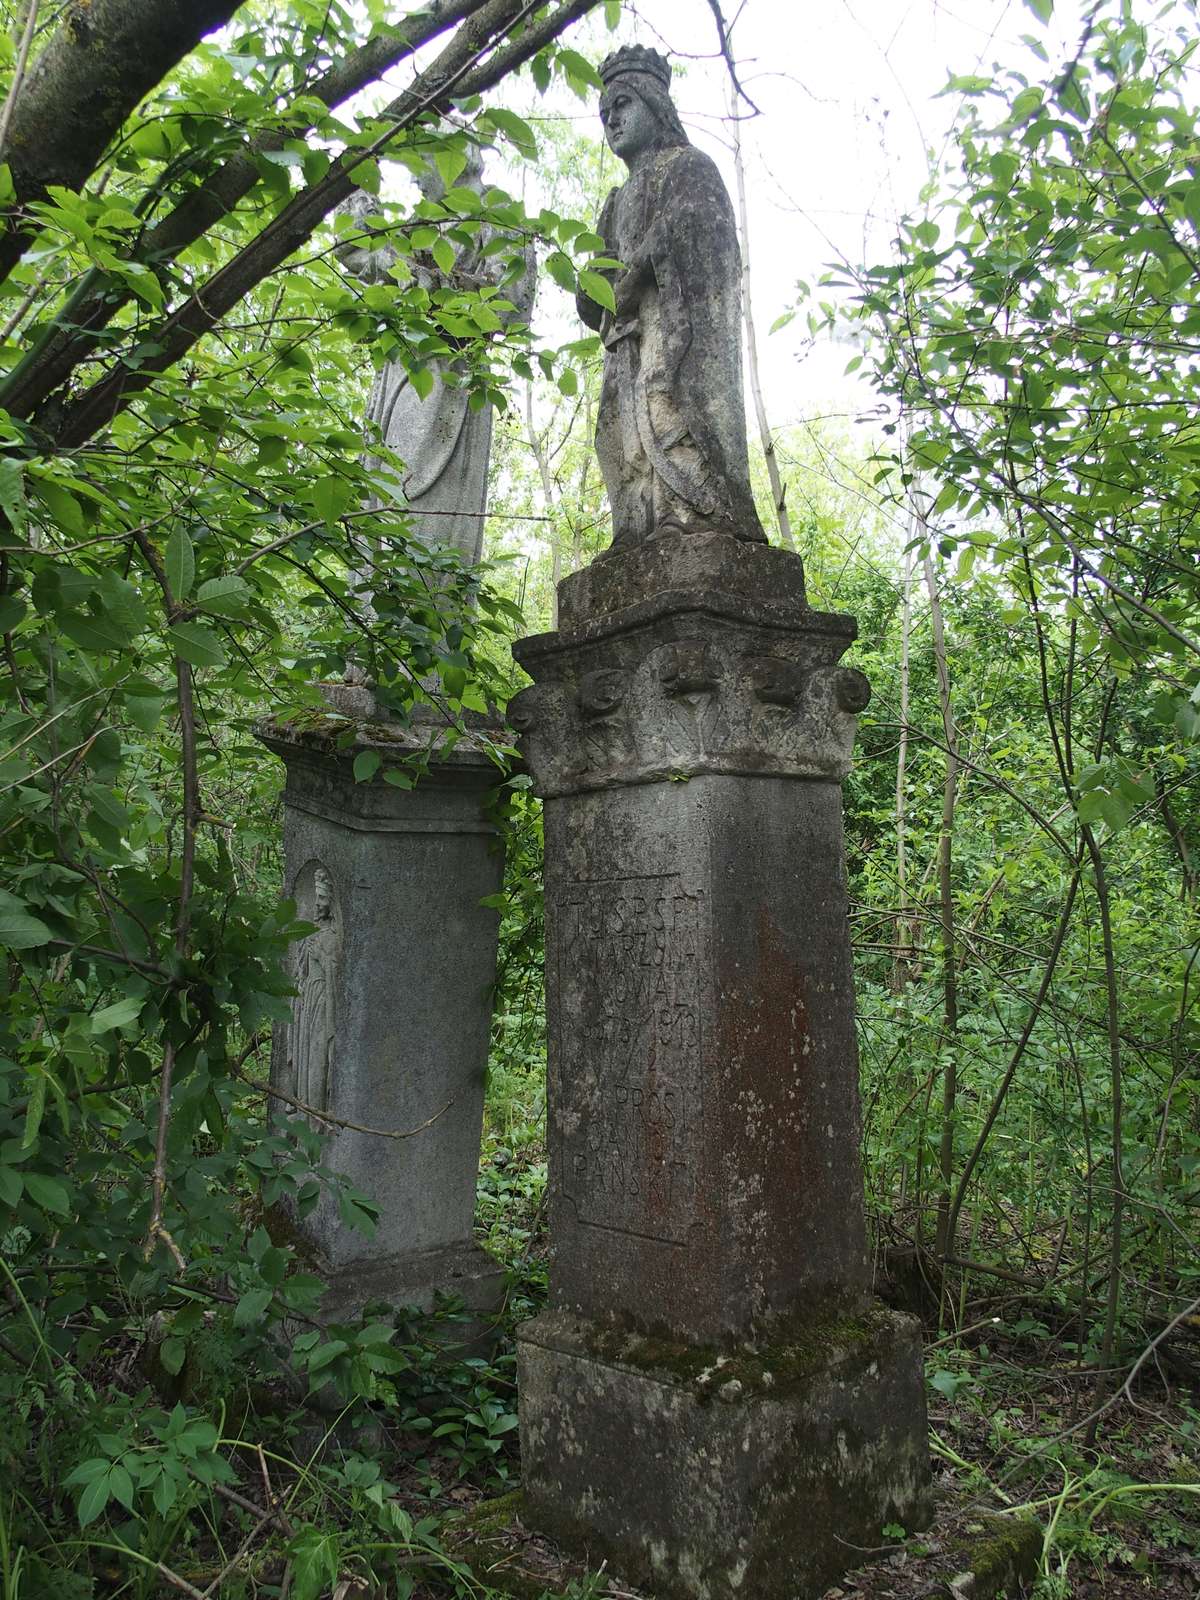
[636, 106]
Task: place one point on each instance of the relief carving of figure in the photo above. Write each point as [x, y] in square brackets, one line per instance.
[671, 435]
[312, 1031]
[444, 444]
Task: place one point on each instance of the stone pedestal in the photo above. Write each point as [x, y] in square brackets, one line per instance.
[713, 1402]
[391, 1023]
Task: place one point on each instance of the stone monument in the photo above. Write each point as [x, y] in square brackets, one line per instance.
[391, 1022]
[445, 445]
[392, 1014]
[713, 1402]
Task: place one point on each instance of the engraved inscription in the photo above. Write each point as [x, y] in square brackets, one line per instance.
[631, 965]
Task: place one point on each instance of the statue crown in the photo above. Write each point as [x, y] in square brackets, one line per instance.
[635, 58]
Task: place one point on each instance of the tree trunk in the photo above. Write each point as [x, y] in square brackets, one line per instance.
[904, 940]
[105, 56]
[943, 1243]
[1113, 1018]
[537, 444]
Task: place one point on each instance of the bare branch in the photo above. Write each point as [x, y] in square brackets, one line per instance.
[727, 51]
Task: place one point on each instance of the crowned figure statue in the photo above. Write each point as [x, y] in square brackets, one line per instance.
[671, 430]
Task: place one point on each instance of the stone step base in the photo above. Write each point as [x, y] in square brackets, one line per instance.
[713, 1475]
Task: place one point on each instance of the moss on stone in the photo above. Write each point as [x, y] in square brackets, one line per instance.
[311, 723]
[1002, 1557]
[488, 1516]
[790, 1357]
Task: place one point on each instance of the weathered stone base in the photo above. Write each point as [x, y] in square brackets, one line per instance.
[705, 1475]
[415, 1281]
[996, 1556]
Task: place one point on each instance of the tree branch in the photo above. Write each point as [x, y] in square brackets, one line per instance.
[449, 76]
[105, 56]
[74, 334]
[726, 50]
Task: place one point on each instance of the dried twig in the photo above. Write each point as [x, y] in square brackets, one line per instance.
[239, 1555]
[342, 1122]
[176, 1582]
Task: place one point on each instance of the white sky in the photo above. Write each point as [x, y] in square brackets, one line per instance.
[848, 91]
[852, 117]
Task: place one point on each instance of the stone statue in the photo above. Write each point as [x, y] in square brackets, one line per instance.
[444, 444]
[671, 434]
[313, 1014]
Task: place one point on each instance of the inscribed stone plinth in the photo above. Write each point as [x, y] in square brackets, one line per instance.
[712, 1401]
[391, 1023]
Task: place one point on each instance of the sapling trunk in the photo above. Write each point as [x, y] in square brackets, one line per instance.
[945, 862]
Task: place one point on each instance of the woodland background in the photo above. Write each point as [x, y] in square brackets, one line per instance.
[183, 372]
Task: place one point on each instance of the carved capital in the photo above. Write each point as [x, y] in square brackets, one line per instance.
[684, 687]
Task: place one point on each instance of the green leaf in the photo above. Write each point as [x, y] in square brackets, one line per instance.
[947, 1383]
[19, 930]
[172, 1353]
[12, 492]
[1042, 9]
[164, 1493]
[515, 129]
[251, 1307]
[48, 1193]
[366, 765]
[120, 1485]
[197, 644]
[11, 1185]
[34, 1112]
[93, 1499]
[118, 1015]
[227, 596]
[12, 611]
[562, 269]
[145, 710]
[578, 69]
[103, 633]
[443, 254]
[314, 1557]
[598, 288]
[331, 496]
[327, 1354]
[180, 564]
